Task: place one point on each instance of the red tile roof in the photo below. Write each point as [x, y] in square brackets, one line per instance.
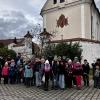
[75, 39]
[19, 45]
[28, 35]
[45, 33]
[9, 41]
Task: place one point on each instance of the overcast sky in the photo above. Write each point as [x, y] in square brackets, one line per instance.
[18, 16]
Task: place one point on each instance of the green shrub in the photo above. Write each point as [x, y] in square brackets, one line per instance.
[70, 50]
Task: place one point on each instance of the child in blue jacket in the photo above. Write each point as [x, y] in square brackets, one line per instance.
[28, 74]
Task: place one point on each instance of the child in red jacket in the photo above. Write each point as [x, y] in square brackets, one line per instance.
[78, 75]
[5, 73]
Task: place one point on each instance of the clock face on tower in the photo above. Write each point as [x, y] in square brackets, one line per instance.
[62, 21]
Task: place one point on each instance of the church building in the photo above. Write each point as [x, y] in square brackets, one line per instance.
[74, 21]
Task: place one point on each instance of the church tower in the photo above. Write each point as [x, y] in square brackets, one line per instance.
[28, 40]
[70, 19]
[75, 21]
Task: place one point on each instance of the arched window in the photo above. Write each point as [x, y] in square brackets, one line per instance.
[54, 1]
[61, 1]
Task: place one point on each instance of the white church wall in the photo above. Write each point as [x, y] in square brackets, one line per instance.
[25, 51]
[91, 51]
[20, 49]
[50, 4]
[95, 24]
[10, 46]
[87, 21]
[74, 22]
[71, 1]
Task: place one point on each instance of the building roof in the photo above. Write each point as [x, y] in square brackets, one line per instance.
[18, 45]
[75, 39]
[6, 42]
[56, 7]
[28, 35]
[96, 7]
[45, 33]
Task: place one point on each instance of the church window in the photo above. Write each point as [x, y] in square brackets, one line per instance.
[54, 1]
[61, 1]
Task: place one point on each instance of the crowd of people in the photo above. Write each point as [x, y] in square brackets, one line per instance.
[57, 73]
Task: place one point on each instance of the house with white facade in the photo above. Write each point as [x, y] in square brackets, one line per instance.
[74, 21]
[24, 46]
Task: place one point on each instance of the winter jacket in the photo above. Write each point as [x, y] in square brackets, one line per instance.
[69, 70]
[97, 73]
[37, 66]
[86, 68]
[0, 68]
[12, 70]
[28, 71]
[61, 69]
[5, 70]
[78, 70]
[55, 68]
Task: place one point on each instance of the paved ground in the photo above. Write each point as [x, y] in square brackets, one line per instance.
[20, 92]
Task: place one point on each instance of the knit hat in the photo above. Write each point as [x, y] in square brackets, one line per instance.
[12, 60]
[6, 63]
[69, 61]
[37, 60]
[46, 62]
[75, 57]
[42, 60]
[78, 64]
[55, 58]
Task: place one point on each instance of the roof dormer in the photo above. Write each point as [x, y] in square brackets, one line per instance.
[28, 35]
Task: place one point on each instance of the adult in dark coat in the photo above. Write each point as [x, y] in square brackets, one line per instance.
[61, 75]
[86, 70]
[93, 68]
[37, 68]
[69, 74]
[12, 72]
[97, 74]
[55, 74]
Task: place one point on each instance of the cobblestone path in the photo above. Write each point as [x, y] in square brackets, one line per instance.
[20, 92]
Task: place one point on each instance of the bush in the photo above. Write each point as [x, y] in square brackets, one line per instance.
[5, 52]
[70, 50]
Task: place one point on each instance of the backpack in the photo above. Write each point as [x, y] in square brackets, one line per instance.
[97, 73]
[47, 68]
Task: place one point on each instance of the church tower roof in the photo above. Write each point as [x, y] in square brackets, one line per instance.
[51, 5]
[28, 35]
[45, 33]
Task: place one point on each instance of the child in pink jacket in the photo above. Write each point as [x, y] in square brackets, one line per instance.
[78, 75]
[5, 73]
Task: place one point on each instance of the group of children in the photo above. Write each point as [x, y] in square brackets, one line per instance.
[60, 74]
